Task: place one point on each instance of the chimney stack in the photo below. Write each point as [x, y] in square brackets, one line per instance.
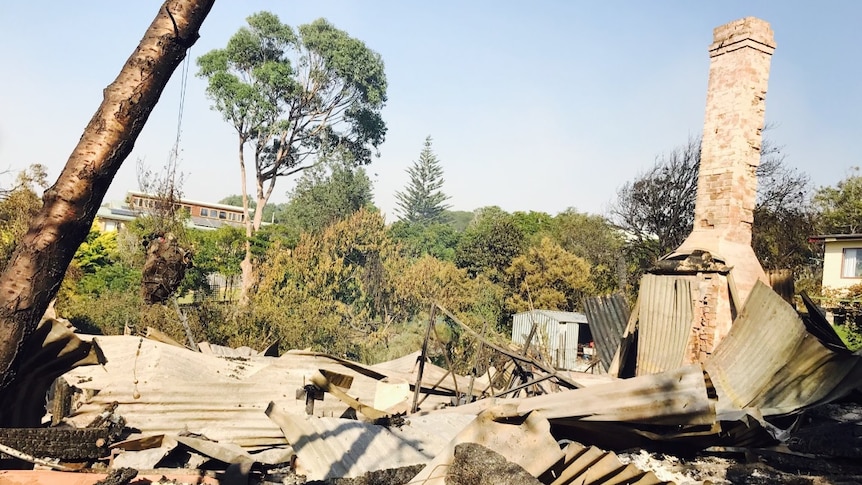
[740, 57]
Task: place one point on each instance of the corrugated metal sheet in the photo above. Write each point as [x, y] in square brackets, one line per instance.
[527, 442]
[608, 316]
[677, 397]
[770, 361]
[162, 389]
[588, 465]
[556, 334]
[564, 317]
[664, 323]
[344, 448]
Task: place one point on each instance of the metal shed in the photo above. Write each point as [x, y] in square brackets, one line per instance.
[564, 336]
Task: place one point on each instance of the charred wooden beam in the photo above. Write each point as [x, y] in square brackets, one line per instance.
[66, 444]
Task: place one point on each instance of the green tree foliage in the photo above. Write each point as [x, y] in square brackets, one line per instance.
[422, 200]
[489, 244]
[215, 252]
[326, 293]
[534, 225]
[418, 239]
[840, 207]
[459, 220]
[593, 238]
[99, 293]
[98, 249]
[291, 95]
[328, 193]
[548, 277]
[272, 213]
[18, 204]
[428, 280]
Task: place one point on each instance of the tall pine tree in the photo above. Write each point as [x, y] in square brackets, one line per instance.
[422, 200]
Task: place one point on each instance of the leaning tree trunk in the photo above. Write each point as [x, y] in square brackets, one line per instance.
[36, 269]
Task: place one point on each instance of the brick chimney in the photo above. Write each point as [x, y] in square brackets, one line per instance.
[740, 56]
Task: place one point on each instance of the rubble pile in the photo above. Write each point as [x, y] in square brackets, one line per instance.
[222, 415]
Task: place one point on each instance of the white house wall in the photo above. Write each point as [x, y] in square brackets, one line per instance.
[833, 258]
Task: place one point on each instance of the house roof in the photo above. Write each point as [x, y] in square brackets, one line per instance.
[562, 317]
[193, 202]
[835, 237]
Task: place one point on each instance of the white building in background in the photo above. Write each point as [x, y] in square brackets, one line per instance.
[564, 337]
[202, 215]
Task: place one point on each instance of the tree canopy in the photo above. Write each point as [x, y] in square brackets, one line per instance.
[841, 206]
[18, 204]
[292, 94]
[423, 200]
[490, 243]
[327, 193]
[547, 276]
[656, 209]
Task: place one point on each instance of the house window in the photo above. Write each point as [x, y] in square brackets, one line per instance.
[852, 267]
[204, 213]
[222, 215]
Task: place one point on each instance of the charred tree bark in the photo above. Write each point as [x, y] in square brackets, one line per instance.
[35, 271]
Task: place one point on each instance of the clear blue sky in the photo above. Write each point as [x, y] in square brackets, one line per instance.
[537, 105]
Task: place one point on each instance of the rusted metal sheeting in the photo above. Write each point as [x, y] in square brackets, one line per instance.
[589, 465]
[345, 448]
[769, 361]
[608, 317]
[665, 318]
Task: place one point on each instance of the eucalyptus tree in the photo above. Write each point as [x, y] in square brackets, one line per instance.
[292, 95]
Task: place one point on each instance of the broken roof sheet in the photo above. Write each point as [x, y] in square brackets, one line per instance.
[346, 448]
[679, 397]
[435, 379]
[608, 316]
[162, 389]
[771, 362]
[594, 466]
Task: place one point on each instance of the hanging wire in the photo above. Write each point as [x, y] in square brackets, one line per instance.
[184, 83]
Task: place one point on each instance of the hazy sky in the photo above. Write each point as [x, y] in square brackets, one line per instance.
[538, 105]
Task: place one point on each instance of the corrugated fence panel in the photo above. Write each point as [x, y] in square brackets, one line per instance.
[608, 316]
[664, 323]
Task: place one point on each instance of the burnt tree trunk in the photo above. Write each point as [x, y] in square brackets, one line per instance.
[36, 269]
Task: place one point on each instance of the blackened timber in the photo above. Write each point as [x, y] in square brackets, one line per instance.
[67, 444]
[696, 262]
